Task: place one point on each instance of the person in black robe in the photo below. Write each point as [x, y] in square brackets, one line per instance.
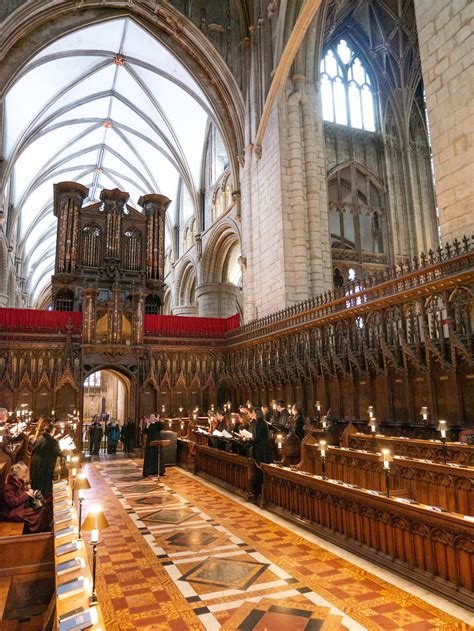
[298, 420]
[43, 461]
[282, 416]
[261, 446]
[152, 432]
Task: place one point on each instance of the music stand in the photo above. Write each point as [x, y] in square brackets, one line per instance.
[159, 444]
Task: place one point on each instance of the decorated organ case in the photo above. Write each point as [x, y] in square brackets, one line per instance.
[109, 261]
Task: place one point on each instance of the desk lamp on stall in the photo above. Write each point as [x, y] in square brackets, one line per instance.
[81, 484]
[442, 429]
[94, 522]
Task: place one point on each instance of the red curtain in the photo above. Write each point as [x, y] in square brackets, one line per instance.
[196, 327]
[35, 320]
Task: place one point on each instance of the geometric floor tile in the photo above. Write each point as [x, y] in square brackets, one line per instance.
[154, 500]
[229, 573]
[192, 539]
[164, 577]
[170, 516]
[270, 614]
[139, 488]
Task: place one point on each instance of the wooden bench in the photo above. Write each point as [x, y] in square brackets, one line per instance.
[11, 528]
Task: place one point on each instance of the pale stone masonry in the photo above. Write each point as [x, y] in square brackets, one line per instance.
[446, 39]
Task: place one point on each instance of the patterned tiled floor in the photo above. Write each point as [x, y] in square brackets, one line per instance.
[180, 555]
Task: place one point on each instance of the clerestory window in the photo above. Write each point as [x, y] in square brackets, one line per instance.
[346, 89]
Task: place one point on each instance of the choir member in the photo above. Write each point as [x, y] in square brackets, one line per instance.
[16, 502]
[3, 416]
[282, 416]
[261, 446]
[152, 432]
[43, 461]
[298, 420]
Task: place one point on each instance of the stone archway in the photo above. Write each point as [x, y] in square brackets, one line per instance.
[106, 391]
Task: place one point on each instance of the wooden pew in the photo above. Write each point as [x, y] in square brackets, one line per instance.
[459, 453]
[186, 452]
[419, 542]
[236, 473]
[450, 486]
[26, 562]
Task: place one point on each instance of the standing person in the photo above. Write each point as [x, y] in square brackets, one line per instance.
[298, 420]
[282, 415]
[113, 436]
[43, 461]
[152, 432]
[262, 449]
[126, 435]
[95, 436]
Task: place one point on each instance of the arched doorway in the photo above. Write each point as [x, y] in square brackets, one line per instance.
[106, 392]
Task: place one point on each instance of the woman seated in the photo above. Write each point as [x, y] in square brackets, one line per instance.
[19, 504]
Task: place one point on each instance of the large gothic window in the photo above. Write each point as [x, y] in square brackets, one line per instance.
[346, 89]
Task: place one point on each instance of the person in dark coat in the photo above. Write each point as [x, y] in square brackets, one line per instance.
[282, 416]
[127, 434]
[15, 500]
[298, 420]
[262, 451]
[43, 461]
[261, 446]
[95, 437]
[152, 432]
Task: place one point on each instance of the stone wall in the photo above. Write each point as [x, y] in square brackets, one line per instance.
[446, 38]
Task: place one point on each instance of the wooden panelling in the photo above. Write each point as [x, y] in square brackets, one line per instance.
[416, 541]
[447, 486]
[414, 448]
[231, 471]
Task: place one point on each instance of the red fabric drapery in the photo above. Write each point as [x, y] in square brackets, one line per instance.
[181, 325]
[37, 321]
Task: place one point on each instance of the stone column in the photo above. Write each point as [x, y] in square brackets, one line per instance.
[446, 41]
[285, 208]
[217, 300]
[186, 310]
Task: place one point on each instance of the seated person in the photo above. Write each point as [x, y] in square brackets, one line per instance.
[16, 502]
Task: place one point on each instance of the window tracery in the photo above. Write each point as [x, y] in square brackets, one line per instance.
[346, 89]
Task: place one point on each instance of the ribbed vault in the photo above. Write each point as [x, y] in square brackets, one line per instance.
[107, 106]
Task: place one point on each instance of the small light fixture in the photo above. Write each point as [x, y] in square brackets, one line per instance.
[442, 429]
[94, 522]
[424, 413]
[373, 430]
[81, 484]
[386, 458]
[322, 451]
[370, 411]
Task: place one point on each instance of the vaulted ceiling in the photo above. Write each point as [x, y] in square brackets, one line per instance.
[107, 106]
